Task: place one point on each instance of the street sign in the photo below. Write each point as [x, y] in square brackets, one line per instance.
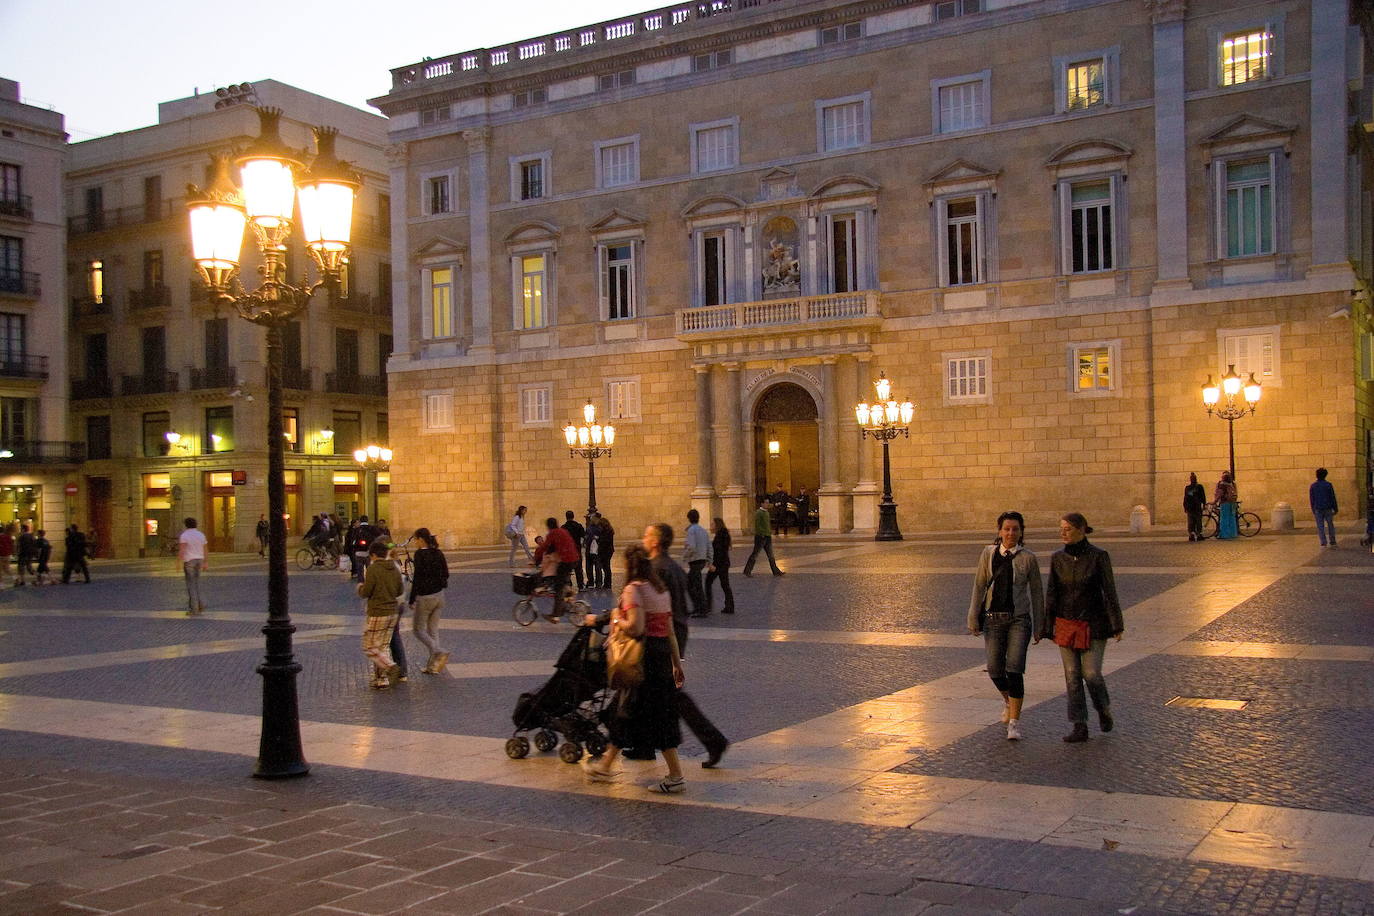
[70, 489]
[240, 478]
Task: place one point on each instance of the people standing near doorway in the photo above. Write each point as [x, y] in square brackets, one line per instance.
[43, 550]
[1007, 607]
[1226, 497]
[696, 553]
[1194, 502]
[779, 503]
[74, 560]
[427, 598]
[261, 532]
[515, 533]
[23, 556]
[1081, 612]
[763, 540]
[605, 550]
[6, 550]
[380, 589]
[720, 566]
[191, 554]
[803, 512]
[1321, 495]
[578, 535]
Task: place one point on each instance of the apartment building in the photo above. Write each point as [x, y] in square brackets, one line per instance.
[36, 454]
[1048, 222]
[168, 388]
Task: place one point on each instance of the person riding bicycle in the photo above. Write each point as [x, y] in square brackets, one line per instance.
[358, 542]
[320, 534]
[558, 541]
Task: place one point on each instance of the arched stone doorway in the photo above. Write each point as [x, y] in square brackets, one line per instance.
[786, 413]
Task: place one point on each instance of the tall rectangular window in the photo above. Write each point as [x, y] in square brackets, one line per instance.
[536, 405]
[961, 106]
[844, 253]
[715, 148]
[618, 164]
[291, 428]
[154, 340]
[842, 126]
[441, 302]
[18, 418]
[291, 345]
[622, 396]
[346, 352]
[963, 244]
[155, 428]
[12, 344]
[1092, 368]
[714, 269]
[97, 354]
[216, 343]
[11, 263]
[966, 377]
[152, 269]
[533, 283]
[1085, 84]
[1245, 56]
[532, 179]
[384, 283]
[348, 431]
[95, 281]
[152, 198]
[95, 208]
[385, 344]
[437, 195]
[98, 437]
[1249, 208]
[1090, 226]
[11, 190]
[619, 277]
[219, 430]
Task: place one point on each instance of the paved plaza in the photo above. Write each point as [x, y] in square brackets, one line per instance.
[868, 772]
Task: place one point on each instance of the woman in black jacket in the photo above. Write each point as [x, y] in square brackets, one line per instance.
[427, 598]
[720, 565]
[1081, 612]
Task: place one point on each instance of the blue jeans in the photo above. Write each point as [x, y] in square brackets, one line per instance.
[1084, 666]
[1326, 525]
[192, 570]
[1006, 637]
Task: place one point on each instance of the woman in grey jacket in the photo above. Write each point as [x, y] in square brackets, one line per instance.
[1007, 607]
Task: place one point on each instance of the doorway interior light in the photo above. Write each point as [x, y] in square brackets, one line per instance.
[774, 448]
[172, 437]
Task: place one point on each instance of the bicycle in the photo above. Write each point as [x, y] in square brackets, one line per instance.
[1248, 524]
[313, 556]
[530, 587]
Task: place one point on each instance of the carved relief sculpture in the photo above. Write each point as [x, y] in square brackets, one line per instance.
[781, 269]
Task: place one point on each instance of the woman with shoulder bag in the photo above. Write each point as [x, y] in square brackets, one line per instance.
[649, 718]
[1081, 612]
[1007, 605]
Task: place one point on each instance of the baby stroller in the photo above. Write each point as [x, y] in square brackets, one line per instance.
[571, 704]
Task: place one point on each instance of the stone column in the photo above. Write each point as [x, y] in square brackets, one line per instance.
[479, 237]
[1171, 146]
[866, 491]
[834, 500]
[1328, 118]
[735, 504]
[397, 158]
[704, 494]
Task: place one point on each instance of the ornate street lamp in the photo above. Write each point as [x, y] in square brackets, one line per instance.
[273, 180]
[591, 441]
[885, 421]
[1233, 411]
[373, 458]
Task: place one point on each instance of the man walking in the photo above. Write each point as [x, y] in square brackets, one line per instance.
[558, 541]
[1322, 496]
[696, 553]
[261, 532]
[24, 556]
[74, 560]
[578, 534]
[192, 555]
[1194, 501]
[658, 539]
[763, 540]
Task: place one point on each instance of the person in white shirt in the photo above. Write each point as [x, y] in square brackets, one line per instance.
[696, 553]
[192, 555]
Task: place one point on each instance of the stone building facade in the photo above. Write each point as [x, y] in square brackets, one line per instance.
[150, 354]
[1046, 221]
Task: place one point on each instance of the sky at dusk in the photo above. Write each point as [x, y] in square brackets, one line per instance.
[106, 66]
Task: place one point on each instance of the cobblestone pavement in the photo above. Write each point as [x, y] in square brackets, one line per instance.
[868, 775]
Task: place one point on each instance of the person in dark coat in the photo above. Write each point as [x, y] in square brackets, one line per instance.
[1322, 497]
[1081, 612]
[1194, 501]
[720, 566]
[605, 550]
[579, 535]
[75, 558]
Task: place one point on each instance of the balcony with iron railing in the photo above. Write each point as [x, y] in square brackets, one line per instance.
[89, 307]
[151, 297]
[17, 206]
[95, 387]
[20, 283]
[296, 378]
[136, 215]
[831, 310]
[41, 452]
[153, 383]
[346, 383]
[213, 377]
[654, 26]
[23, 366]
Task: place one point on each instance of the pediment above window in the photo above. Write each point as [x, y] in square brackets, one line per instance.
[440, 248]
[1245, 133]
[533, 231]
[1089, 155]
[712, 205]
[961, 175]
[617, 221]
[845, 186]
[778, 184]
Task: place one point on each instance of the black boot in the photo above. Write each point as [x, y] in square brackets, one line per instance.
[1079, 733]
[1105, 720]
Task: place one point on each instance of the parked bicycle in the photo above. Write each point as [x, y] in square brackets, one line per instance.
[530, 586]
[316, 556]
[1248, 524]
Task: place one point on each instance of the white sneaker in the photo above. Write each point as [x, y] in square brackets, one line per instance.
[1013, 730]
[594, 773]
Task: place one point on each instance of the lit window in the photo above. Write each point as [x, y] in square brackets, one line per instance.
[441, 302]
[1249, 208]
[219, 430]
[95, 281]
[1085, 84]
[1245, 56]
[1093, 368]
[533, 285]
[535, 405]
[966, 378]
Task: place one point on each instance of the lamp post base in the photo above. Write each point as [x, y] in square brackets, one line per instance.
[887, 522]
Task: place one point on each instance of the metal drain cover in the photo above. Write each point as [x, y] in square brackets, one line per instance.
[1207, 703]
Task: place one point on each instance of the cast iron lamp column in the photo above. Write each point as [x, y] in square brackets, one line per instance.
[885, 421]
[273, 178]
[1233, 411]
[371, 459]
[591, 441]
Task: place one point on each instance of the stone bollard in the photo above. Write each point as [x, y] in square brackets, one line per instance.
[1282, 519]
[1140, 520]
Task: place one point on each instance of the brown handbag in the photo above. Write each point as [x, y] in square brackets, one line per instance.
[624, 659]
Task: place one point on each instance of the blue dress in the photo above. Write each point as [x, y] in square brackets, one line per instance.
[1226, 522]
